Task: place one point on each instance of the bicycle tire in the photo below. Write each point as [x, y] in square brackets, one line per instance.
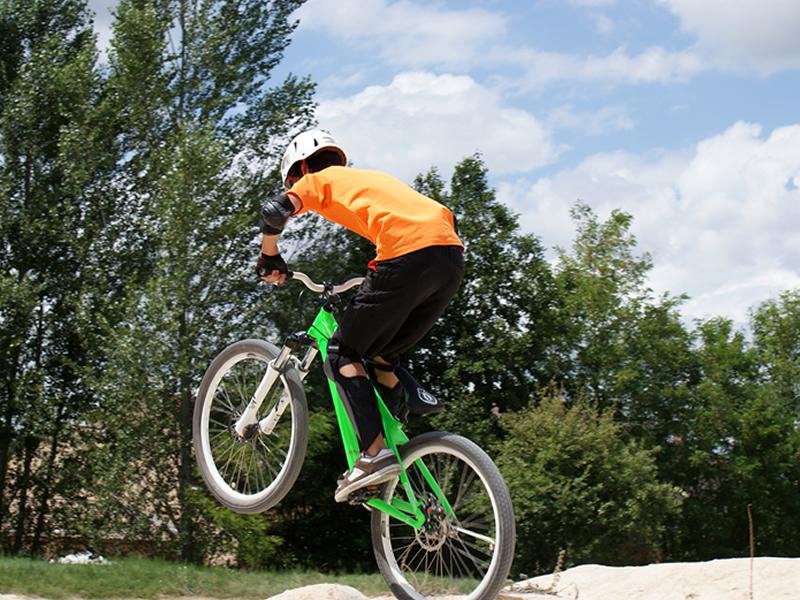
[417, 564]
[272, 462]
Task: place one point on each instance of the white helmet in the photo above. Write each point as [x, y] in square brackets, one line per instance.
[304, 145]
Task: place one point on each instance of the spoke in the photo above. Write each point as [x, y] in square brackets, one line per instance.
[222, 425]
[263, 482]
[445, 485]
[476, 535]
[480, 566]
[225, 401]
[271, 446]
[476, 521]
[239, 469]
[404, 562]
[250, 470]
[267, 463]
[238, 385]
[439, 569]
[478, 550]
[467, 476]
[226, 398]
[463, 568]
[221, 434]
[230, 453]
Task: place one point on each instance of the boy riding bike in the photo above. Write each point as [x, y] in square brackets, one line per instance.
[418, 268]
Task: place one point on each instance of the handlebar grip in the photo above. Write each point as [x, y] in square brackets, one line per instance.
[261, 272]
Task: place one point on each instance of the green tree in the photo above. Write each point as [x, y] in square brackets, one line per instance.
[742, 444]
[55, 157]
[776, 332]
[202, 127]
[486, 354]
[579, 486]
[618, 341]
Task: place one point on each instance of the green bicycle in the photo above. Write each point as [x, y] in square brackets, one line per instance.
[444, 525]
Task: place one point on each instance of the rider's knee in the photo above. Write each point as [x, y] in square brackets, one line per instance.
[354, 369]
[342, 362]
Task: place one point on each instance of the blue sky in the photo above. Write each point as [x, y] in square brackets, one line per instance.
[684, 113]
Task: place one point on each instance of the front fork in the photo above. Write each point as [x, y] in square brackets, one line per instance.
[275, 368]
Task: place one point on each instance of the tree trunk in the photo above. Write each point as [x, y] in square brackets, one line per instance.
[29, 448]
[6, 435]
[47, 488]
[190, 551]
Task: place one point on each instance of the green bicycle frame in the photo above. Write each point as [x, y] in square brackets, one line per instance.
[409, 510]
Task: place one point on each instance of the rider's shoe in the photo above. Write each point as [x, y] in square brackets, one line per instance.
[368, 470]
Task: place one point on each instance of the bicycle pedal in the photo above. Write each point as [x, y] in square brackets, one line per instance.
[364, 495]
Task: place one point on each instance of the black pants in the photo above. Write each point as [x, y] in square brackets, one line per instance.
[392, 311]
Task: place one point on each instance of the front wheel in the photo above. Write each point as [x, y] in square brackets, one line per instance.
[467, 550]
[252, 474]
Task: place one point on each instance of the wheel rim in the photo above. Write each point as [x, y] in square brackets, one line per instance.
[448, 555]
[246, 469]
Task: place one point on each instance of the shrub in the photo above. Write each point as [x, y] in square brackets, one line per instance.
[578, 485]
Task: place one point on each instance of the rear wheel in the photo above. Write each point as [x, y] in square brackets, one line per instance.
[253, 473]
[468, 552]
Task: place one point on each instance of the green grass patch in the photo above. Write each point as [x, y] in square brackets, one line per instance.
[147, 578]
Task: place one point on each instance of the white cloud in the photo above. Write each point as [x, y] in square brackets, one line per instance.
[592, 2]
[593, 122]
[411, 34]
[654, 65]
[421, 119]
[406, 33]
[753, 34]
[603, 24]
[721, 220]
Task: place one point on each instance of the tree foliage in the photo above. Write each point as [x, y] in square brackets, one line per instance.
[579, 486]
[200, 116]
[54, 162]
[129, 198]
[486, 354]
[128, 195]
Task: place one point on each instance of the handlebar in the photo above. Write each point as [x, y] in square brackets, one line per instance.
[321, 288]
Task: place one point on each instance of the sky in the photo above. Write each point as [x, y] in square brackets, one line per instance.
[683, 113]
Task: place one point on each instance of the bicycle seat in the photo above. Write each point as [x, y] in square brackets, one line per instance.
[420, 401]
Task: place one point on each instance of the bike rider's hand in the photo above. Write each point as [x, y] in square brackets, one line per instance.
[271, 269]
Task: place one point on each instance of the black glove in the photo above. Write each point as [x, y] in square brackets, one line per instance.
[267, 264]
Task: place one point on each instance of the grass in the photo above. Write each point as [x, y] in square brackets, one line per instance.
[147, 578]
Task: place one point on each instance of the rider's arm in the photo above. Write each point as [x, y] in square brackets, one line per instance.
[276, 211]
[274, 214]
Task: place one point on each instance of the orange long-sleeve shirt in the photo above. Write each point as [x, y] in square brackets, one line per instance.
[383, 209]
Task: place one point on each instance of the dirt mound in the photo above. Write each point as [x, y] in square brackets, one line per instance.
[322, 591]
[772, 579]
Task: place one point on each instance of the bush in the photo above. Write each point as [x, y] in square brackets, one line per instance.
[247, 537]
[578, 485]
